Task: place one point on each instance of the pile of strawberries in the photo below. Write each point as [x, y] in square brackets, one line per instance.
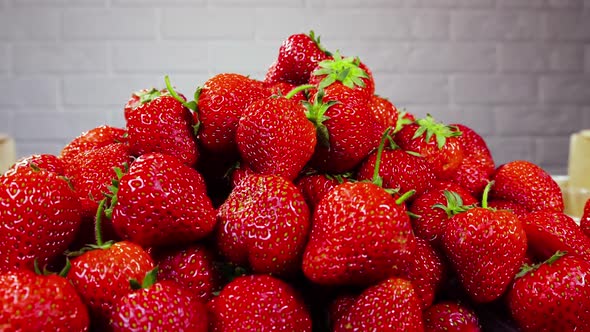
[304, 201]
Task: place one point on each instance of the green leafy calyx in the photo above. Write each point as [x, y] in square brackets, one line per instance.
[454, 204]
[316, 40]
[148, 281]
[316, 113]
[345, 70]
[527, 268]
[431, 128]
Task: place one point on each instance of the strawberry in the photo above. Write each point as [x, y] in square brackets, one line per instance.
[427, 272]
[274, 137]
[283, 88]
[299, 54]
[239, 172]
[527, 184]
[486, 249]
[348, 72]
[192, 268]
[161, 201]
[391, 305]
[549, 231]
[339, 307]
[141, 97]
[31, 302]
[450, 316]
[221, 101]
[164, 124]
[436, 142]
[94, 138]
[264, 224]
[258, 303]
[500, 204]
[345, 127]
[552, 296]
[433, 210]
[585, 220]
[360, 235]
[315, 186]
[158, 306]
[477, 166]
[40, 216]
[387, 115]
[47, 162]
[101, 272]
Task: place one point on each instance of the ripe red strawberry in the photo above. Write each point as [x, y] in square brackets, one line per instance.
[387, 115]
[346, 129]
[283, 88]
[427, 272]
[549, 231]
[40, 216]
[161, 201]
[450, 316]
[391, 305]
[258, 303]
[339, 307]
[434, 209]
[101, 276]
[348, 72]
[500, 204]
[527, 184]
[436, 142]
[31, 302]
[94, 138]
[47, 162]
[159, 306]
[239, 172]
[264, 224]
[192, 268]
[141, 97]
[164, 124]
[585, 221]
[274, 137]
[486, 249]
[477, 166]
[221, 101]
[399, 170]
[299, 54]
[315, 186]
[552, 296]
[360, 235]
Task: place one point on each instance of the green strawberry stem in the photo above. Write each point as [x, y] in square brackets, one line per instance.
[405, 197]
[63, 273]
[148, 281]
[377, 179]
[316, 114]
[298, 89]
[526, 268]
[402, 121]
[486, 193]
[34, 167]
[454, 204]
[98, 223]
[345, 70]
[439, 130]
[191, 105]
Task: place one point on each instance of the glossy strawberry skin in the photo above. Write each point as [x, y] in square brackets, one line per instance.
[548, 232]
[391, 305]
[553, 298]
[315, 186]
[40, 216]
[298, 57]
[352, 132]
[585, 221]
[385, 113]
[500, 204]
[164, 306]
[30, 302]
[340, 306]
[450, 316]
[101, 276]
[162, 202]
[192, 268]
[527, 184]
[264, 224]
[258, 303]
[163, 125]
[222, 100]
[94, 138]
[46, 162]
[398, 169]
[283, 88]
[445, 160]
[359, 236]
[274, 137]
[486, 248]
[431, 222]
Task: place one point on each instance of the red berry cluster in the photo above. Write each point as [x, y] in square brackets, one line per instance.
[303, 201]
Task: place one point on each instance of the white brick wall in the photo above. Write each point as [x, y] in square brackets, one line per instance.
[517, 71]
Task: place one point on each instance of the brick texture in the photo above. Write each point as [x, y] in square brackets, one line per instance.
[516, 71]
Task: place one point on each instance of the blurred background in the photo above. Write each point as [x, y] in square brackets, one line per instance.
[516, 71]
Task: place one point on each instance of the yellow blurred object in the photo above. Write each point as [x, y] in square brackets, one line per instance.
[576, 190]
[7, 152]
